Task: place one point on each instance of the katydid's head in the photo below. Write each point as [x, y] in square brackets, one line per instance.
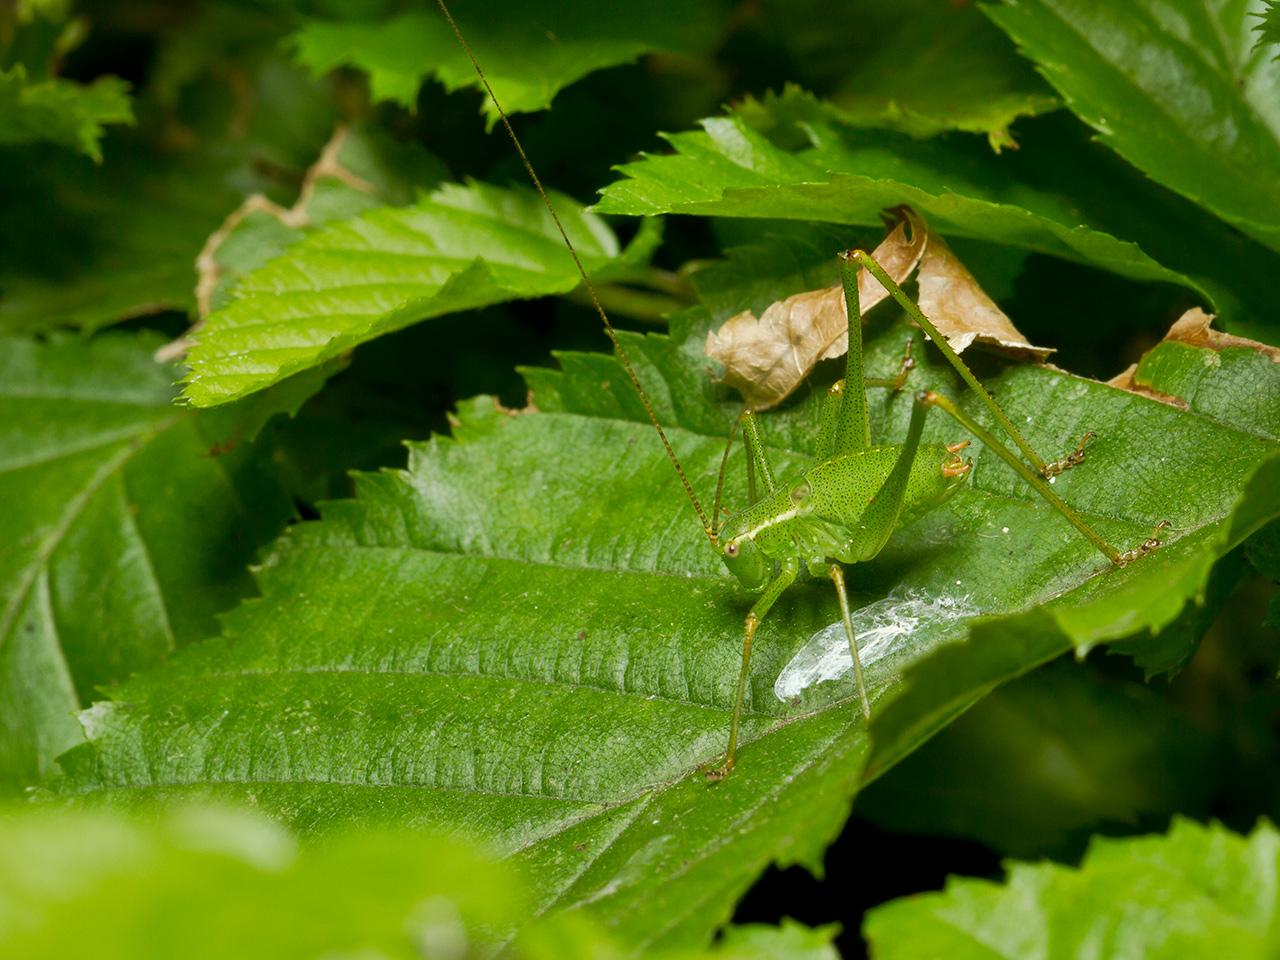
[744, 559]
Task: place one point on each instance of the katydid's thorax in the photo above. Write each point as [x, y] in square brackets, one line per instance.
[823, 514]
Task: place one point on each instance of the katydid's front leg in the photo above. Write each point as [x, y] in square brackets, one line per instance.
[757, 463]
[786, 576]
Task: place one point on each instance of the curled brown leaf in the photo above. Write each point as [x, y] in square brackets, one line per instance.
[1195, 328]
[952, 298]
[766, 358]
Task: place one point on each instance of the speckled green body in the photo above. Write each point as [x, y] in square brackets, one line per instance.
[828, 514]
[843, 508]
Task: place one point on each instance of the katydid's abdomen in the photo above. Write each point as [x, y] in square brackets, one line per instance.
[844, 487]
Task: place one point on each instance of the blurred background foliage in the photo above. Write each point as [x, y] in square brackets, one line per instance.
[166, 117]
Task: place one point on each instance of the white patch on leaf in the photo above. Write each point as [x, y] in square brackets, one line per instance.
[879, 626]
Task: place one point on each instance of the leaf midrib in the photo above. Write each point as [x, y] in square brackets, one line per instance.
[75, 508]
[724, 838]
[155, 784]
[790, 452]
[470, 675]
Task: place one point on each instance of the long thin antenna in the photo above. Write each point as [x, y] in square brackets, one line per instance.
[586, 280]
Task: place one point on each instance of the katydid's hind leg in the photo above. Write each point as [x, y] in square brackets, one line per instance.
[837, 577]
[1072, 459]
[885, 506]
[786, 576]
[1038, 483]
[853, 424]
[829, 428]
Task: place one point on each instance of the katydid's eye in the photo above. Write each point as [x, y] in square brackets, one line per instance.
[731, 548]
[800, 491]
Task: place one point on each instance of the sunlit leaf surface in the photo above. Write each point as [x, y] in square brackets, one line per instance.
[524, 638]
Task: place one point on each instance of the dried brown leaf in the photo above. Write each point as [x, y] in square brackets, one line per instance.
[953, 299]
[765, 358]
[1194, 328]
[209, 270]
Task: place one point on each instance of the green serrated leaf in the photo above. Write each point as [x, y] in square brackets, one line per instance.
[1122, 605]
[206, 882]
[1268, 25]
[360, 169]
[109, 243]
[829, 172]
[523, 636]
[459, 248]
[1197, 376]
[574, 937]
[790, 940]
[529, 53]
[1178, 89]
[1197, 891]
[59, 111]
[922, 67]
[792, 158]
[127, 527]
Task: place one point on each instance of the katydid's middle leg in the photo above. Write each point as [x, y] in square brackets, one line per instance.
[837, 577]
[899, 381]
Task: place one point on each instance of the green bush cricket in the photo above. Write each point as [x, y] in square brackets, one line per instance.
[843, 508]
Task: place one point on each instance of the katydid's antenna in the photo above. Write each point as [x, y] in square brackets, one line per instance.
[586, 280]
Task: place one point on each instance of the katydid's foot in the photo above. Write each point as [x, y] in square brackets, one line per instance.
[1152, 542]
[1072, 459]
[908, 364]
[719, 771]
[956, 466]
[895, 383]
